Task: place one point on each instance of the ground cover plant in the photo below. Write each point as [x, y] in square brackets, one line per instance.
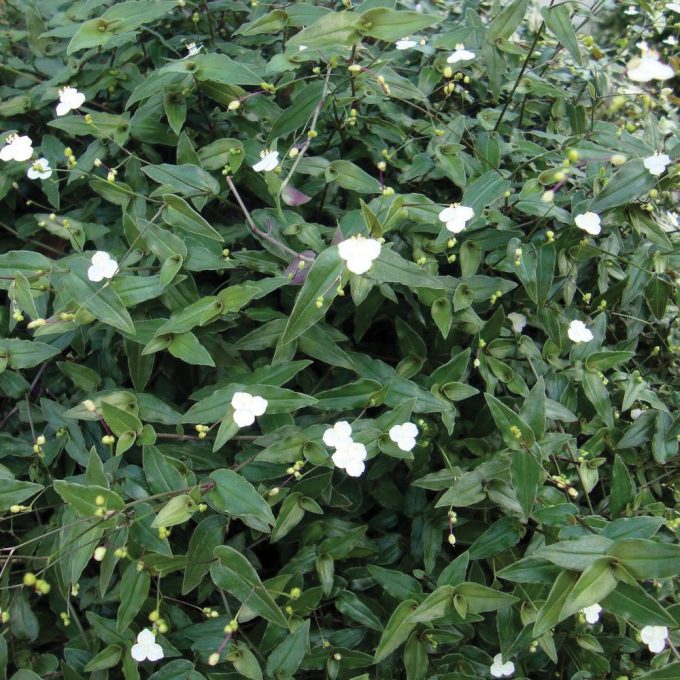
[339, 340]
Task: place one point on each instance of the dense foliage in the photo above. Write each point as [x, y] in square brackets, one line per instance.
[339, 341]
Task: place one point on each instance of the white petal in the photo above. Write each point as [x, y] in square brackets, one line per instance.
[258, 406]
[243, 418]
[32, 174]
[395, 433]
[62, 109]
[343, 428]
[406, 443]
[95, 274]
[109, 269]
[359, 264]
[154, 652]
[241, 400]
[372, 248]
[656, 646]
[146, 637]
[410, 429]
[348, 249]
[138, 652]
[456, 226]
[341, 457]
[355, 467]
[100, 258]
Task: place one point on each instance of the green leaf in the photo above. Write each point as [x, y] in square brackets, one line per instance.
[389, 24]
[107, 658]
[176, 511]
[352, 177]
[236, 496]
[335, 29]
[633, 603]
[558, 21]
[577, 554]
[506, 420]
[298, 114]
[485, 191]
[499, 537]
[101, 301]
[321, 282]
[20, 354]
[206, 537]
[15, 491]
[185, 179]
[630, 182]
[598, 396]
[480, 598]
[526, 476]
[594, 584]
[503, 25]
[87, 500]
[134, 589]
[185, 346]
[237, 576]
[219, 68]
[646, 559]
[657, 293]
[284, 660]
[396, 631]
[354, 608]
[668, 672]
[549, 614]
[178, 213]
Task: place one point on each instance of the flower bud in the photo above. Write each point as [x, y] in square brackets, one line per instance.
[99, 553]
[213, 659]
[233, 106]
[30, 579]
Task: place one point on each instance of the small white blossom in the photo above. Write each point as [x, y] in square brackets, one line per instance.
[579, 332]
[631, 11]
[17, 148]
[654, 637]
[671, 40]
[69, 99]
[657, 163]
[359, 252]
[246, 407]
[338, 435]
[499, 669]
[405, 44]
[302, 48]
[592, 613]
[40, 169]
[350, 456]
[146, 647]
[456, 217]
[404, 435]
[648, 67]
[103, 266]
[518, 321]
[193, 49]
[270, 159]
[589, 222]
[675, 6]
[635, 413]
[460, 54]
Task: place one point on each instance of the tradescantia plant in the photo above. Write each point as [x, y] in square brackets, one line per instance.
[339, 340]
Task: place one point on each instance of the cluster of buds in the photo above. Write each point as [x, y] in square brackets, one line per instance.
[120, 553]
[533, 647]
[231, 627]
[160, 625]
[38, 446]
[210, 613]
[70, 158]
[385, 87]
[41, 586]
[319, 302]
[108, 440]
[268, 87]
[163, 532]
[17, 315]
[14, 509]
[4, 616]
[295, 469]
[602, 377]
[111, 176]
[550, 236]
[518, 257]
[494, 298]
[100, 502]
[202, 431]
[352, 118]
[561, 482]
[673, 523]
[295, 593]
[602, 305]
[66, 620]
[515, 432]
[36, 323]
[340, 291]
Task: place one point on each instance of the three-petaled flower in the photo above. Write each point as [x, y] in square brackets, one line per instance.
[589, 222]
[146, 647]
[405, 44]
[40, 169]
[270, 159]
[339, 434]
[456, 217]
[654, 637]
[69, 99]
[404, 435]
[460, 54]
[648, 67]
[17, 148]
[498, 669]
[359, 252]
[246, 407]
[518, 321]
[103, 266]
[579, 332]
[350, 456]
[193, 49]
[657, 163]
[592, 613]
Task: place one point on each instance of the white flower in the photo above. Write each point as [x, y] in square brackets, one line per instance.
[404, 436]
[456, 216]
[670, 222]
[635, 413]
[338, 435]
[592, 613]
[578, 332]
[501, 670]
[193, 49]
[69, 99]
[359, 252]
[657, 163]
[654, 637]
[146, 647]
[405, 44]
[350, 456]
[675, 6]
[460, 54]
[631, 11]
[647, 67]
[40, 169]
[103, 266]
[246, 407]
[588, 221]
[518, 321]
[17, 148]
[270, 159]
[671, 40]
[302, 48]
